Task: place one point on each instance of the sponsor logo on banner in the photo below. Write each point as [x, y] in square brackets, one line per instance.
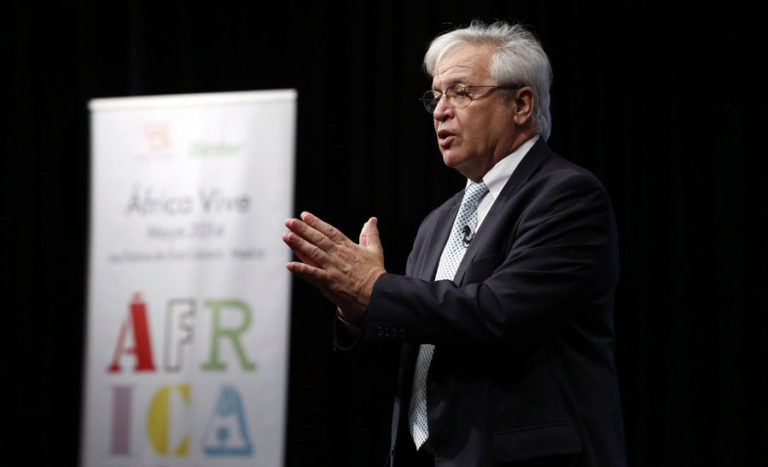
[157, 136]
[157, 139]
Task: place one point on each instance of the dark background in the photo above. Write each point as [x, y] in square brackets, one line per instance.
[662, 101]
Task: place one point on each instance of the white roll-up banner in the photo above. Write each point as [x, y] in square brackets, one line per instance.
[186, 354]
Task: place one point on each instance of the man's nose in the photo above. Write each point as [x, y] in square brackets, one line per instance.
[444, 110]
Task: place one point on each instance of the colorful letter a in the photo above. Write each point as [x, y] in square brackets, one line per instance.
[142, 349]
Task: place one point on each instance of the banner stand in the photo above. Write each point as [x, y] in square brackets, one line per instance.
[188, 295]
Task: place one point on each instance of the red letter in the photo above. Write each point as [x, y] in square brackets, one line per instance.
[137, 321]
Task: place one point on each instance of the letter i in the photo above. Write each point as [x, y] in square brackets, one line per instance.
[121, 420]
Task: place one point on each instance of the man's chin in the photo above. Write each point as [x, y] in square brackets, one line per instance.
[451, 159]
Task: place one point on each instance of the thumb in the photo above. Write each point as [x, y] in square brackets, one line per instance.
[369, 236]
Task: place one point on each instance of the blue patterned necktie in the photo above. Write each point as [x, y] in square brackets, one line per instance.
[461, 234]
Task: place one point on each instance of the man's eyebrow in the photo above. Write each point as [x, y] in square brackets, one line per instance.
[453, 83]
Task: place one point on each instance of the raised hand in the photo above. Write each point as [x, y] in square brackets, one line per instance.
[343, 270]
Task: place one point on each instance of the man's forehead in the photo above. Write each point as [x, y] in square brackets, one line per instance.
[463, 62]
[451, 77]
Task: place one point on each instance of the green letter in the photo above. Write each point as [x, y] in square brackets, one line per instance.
[214, 363]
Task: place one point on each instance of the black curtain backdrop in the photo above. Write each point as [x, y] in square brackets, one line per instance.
[663, 101]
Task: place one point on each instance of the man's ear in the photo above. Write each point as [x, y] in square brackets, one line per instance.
[523, 105]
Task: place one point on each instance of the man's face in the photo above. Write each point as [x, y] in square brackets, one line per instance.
[472, 139]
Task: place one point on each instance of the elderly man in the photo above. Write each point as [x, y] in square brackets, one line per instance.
[505, 313]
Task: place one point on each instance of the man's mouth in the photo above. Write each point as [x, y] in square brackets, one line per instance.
[445, 137]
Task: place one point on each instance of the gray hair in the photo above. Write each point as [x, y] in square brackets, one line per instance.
[519, 60]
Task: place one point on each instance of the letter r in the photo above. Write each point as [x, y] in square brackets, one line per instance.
[233, 333]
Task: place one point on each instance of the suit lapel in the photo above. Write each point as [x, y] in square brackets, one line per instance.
[538, 153]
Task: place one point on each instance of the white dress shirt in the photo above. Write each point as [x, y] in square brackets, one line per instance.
[498, 176]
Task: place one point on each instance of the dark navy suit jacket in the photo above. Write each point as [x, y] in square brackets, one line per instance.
[523, 364]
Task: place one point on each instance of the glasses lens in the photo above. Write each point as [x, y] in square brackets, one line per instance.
[430, 99]
[458, 96]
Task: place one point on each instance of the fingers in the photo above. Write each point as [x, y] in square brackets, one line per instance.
[311, 274]
[369, 236]
[299, 254]
[313, 240]
[317, 232]
[306, 251]
[309, 233]
[364, 232]
[317, 277]
[326, 229]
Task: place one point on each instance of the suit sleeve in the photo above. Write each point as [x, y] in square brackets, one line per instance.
[555, 261]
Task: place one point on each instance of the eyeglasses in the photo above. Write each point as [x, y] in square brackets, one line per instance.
[458, 95]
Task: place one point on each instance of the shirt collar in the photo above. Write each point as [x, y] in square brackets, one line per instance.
[497, 177]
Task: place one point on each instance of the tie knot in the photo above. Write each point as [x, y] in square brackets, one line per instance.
[474, 193]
